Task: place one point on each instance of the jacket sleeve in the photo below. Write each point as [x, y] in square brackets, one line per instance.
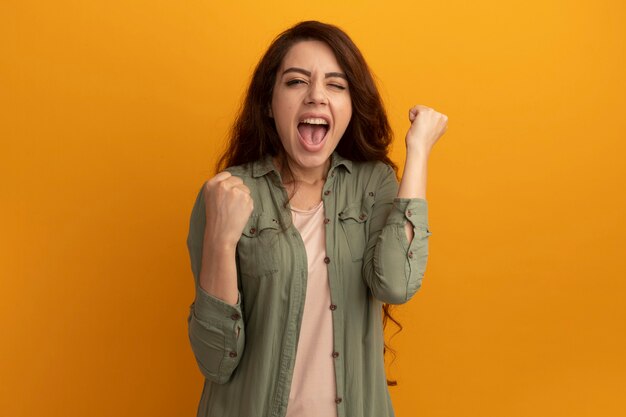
[216, 328]
[393, 268]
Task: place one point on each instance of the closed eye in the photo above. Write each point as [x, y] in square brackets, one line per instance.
[295, 82]
[337, 86]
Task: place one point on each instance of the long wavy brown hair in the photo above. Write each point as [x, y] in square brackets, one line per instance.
[367, 137]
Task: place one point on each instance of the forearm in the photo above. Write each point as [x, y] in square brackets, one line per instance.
[218, 274]
[394, 267]
[413, 183]
[217, 335]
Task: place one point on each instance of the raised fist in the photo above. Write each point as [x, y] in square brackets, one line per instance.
[427, 126]
[228, 206]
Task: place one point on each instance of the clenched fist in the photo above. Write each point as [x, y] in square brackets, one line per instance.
[228, 206]
[427, 126]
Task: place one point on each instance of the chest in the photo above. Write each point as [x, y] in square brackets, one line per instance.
[272, 247]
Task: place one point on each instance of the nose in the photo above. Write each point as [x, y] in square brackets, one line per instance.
[316, 94]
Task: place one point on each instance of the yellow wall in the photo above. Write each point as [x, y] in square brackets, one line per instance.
[112, 114]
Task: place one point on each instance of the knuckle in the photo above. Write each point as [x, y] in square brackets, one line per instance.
[208, 188]
[217, 179]
[225, 187]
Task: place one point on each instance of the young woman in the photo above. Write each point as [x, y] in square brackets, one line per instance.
[303, 236]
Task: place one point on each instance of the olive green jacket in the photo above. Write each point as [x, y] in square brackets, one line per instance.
[247, 351]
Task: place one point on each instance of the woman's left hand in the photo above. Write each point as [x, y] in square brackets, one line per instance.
[427, 126]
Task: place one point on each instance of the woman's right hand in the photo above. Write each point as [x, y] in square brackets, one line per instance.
[228, 206]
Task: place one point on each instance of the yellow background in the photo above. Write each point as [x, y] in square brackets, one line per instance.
[112, 114]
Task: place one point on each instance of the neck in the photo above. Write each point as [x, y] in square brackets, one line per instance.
[291, 174]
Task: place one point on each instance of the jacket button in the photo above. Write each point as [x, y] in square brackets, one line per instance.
[362, 216]
[411, 254]
[338, 401]
[327, 192]
[333, 307]
[326, 220]
[371, 194]
[335, 354]
[327, 260]
[252, 230]
[232, 354]
[409, 213]
[235, 316]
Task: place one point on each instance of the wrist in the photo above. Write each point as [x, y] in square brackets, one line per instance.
[219, 245]
[417, 153]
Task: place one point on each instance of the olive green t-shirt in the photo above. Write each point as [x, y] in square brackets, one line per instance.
[247, 351]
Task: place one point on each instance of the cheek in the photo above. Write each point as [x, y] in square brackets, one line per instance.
[348, 114]
[283, 121]
[348, 107]
[283, 125]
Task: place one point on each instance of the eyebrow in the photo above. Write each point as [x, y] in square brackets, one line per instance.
[308, 73]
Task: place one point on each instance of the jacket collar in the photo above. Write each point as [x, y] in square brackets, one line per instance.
[266, 165]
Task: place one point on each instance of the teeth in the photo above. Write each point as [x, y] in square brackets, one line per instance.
[314, 121]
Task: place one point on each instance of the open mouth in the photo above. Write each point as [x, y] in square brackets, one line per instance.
[313, 130]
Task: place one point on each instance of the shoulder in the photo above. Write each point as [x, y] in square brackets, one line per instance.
[254, 171]
[258, 177]
[372, 171]
[362, 180]
[243, 171]
[247, 172]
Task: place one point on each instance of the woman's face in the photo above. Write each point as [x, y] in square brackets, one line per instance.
[311, 106]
